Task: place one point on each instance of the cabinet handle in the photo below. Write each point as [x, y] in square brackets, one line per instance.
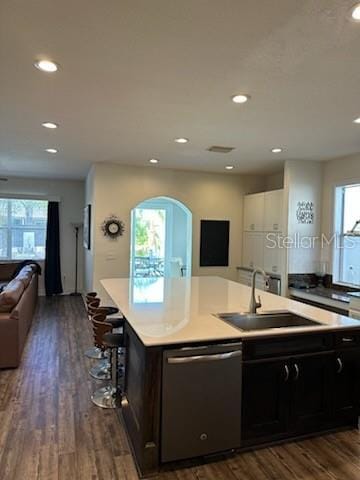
[274, 268]
[347, 339]
[340, 365]
[297, 372]
[287, 373]
[276, 226]
[205, 358]
[252, 226]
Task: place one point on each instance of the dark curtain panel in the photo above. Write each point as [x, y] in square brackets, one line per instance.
[53, 285]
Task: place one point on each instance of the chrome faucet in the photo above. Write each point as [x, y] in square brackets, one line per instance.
[254, 305]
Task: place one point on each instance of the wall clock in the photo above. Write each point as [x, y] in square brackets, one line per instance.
[113, 227]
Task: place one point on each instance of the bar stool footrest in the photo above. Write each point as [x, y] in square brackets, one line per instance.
[107, 397]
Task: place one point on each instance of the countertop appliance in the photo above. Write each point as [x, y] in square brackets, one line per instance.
[273, 284]
[201, 401]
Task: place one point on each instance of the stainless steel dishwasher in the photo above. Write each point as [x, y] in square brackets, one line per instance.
[201, 401]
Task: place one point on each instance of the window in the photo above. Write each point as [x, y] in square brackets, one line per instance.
[347, 224]
[22, 229]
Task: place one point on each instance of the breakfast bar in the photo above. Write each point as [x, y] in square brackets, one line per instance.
[204, 377]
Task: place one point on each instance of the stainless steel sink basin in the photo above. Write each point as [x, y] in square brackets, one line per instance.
[266, 320]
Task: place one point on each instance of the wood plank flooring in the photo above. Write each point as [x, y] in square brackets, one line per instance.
[49, 429]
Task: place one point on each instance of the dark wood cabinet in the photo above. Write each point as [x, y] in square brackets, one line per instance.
[311, 386]
[265, 399]
[300, 393]
[346, 384]
[286, 397]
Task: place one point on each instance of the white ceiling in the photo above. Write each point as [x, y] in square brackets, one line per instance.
[135, 74]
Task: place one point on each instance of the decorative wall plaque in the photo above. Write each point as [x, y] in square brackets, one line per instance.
[305, 212]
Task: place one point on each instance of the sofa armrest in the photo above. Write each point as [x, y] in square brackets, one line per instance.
[7, 270]
[9, 340]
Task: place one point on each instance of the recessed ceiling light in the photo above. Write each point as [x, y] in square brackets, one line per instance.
[229, 167]
[276, 150]
[154, 160]
[46, 66]
[181, 140]
[50, 125]
[355, 12]
[51, 150]
[240, 98]
[357, 120]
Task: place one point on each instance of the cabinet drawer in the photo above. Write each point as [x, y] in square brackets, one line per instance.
[285, 346]
[347, 339]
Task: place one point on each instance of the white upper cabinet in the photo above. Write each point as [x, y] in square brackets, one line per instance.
[263, 217]
[273, 211]
[253, 250]
[254, 212]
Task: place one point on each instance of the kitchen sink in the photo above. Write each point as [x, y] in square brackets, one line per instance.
[266, 320]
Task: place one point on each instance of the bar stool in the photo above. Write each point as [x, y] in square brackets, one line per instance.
[90, 295]
[94, 352]
[109, 396]
[95, 302]
[102, 370]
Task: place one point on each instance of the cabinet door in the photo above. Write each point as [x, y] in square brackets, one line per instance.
[311, 392]
[254, 212]
[265, 400]
[273, 211]
[273, 254]
[346, 384]
[253, 250]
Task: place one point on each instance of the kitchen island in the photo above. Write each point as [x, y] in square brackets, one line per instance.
[266, 386]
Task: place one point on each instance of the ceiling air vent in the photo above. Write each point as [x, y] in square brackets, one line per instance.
[220, 149]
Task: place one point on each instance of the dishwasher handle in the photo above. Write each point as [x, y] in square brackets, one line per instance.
[205, 358]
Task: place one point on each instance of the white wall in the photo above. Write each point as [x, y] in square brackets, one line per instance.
[274, 182]
[117, 189]
[340, 171]
[71, 196]
[303, 182]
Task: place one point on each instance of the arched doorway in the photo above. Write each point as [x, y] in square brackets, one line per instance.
[161, 239]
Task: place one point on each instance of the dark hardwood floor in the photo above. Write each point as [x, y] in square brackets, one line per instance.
[49, 429]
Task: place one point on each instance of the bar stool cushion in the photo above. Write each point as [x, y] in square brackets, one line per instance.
[113, 340]
[111, 310]
[115, 322]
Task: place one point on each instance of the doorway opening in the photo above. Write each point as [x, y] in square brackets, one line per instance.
[161, 239]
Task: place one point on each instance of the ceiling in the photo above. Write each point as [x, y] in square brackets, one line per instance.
[135, 74]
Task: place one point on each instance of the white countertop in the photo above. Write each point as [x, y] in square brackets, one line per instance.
[165, 311]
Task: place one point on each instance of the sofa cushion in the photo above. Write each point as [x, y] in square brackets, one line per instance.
[25, 275]
[11, 294]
